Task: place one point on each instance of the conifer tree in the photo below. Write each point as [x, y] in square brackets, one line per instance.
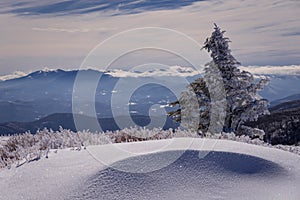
[243, 104]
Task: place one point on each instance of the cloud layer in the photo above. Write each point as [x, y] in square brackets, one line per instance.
[274, 70]
[115, 7]
[177, 71]
[171, 71]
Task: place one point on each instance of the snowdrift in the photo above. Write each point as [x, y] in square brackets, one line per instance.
[179, 168]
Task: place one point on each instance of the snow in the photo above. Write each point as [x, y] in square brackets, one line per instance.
[16, 74]
[172, 169]
[3, 140]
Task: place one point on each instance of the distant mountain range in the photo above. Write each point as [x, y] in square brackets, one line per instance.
[42, 93]
[282, 126]
[66, 121]
[281, 86]
[294, 97]
[34, 101]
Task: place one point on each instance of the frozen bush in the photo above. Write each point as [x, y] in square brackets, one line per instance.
[27, 147]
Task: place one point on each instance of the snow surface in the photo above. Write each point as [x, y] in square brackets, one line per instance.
[179, 168]
[3, 140]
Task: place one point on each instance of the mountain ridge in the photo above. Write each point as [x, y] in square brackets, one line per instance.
[66, 121]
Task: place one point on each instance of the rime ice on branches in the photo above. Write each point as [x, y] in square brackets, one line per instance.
[243, 104]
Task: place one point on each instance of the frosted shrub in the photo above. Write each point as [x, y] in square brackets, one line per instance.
[19, 149]
[27, 147]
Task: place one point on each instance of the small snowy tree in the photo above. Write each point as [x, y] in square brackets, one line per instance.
[241, 91]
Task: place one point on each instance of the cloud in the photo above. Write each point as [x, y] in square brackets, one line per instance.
[174, 71]
[50, 29]
[72, 7]
[187, 71]
[263, 32]
[273, 70]
[171, 71]
[71, 30]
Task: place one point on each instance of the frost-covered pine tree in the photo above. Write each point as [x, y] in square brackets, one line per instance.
[243, 103]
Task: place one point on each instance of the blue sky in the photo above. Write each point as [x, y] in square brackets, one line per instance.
[60, 34]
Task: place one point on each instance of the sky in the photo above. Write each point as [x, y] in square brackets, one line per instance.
[61, 34]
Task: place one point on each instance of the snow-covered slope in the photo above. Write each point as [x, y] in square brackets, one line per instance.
[210, 169]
